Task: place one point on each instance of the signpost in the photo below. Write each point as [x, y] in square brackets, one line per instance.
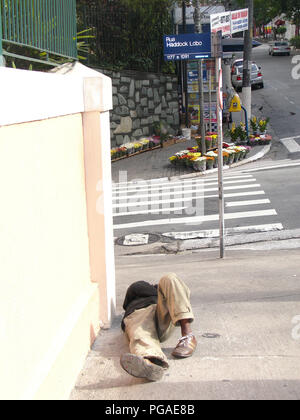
[220, 154]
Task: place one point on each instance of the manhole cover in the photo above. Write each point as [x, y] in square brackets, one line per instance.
[211, 335]
[137, 239]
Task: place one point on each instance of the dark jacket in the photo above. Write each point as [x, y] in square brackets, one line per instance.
[139, 295]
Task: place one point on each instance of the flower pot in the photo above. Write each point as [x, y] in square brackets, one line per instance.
[230, 159]
[237, 156]
[209, 164]
[199, 165]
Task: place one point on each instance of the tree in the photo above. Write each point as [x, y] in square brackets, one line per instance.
[291, 9]
[128, 33]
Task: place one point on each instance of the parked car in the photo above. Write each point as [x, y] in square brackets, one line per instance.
[235, 64]
[256, 77]
[279, 47]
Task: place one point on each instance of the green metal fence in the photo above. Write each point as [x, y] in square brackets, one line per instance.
[48, 26]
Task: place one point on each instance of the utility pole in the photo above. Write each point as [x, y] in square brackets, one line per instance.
[198, 30]
[247, 68]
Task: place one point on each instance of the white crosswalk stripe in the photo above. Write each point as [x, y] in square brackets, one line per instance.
[291, 144]
[162, 204]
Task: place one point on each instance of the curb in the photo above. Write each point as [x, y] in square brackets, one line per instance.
[254, 158]
[208, 243]
[190, 245]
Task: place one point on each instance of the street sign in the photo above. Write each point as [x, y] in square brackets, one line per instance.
[187, 46]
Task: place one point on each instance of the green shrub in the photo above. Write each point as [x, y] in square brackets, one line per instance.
[295, 42]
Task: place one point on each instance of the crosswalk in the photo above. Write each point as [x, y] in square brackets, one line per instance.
[189, 207]
[292, 144]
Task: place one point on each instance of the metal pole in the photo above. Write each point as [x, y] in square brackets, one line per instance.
[248, 39]
[200, 79]
[184, 68]
[2, 62]
[210, 103]
[246, 119]
[220, 162]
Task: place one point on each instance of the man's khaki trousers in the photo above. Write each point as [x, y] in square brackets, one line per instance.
[147, 327]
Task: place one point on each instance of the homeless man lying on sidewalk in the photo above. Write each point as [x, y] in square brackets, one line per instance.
[151, 313]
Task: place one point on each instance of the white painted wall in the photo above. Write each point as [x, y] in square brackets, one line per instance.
[51, 305]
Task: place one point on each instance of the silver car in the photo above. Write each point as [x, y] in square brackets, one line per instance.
[279, 47]
[256, 77]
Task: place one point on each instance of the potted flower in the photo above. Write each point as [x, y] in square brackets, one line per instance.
[209, 162]
[199, 164]
[129, 147]
[214, 141]
[173, 160]
[242, 134]
[263, 124]
[231, 156]
[254, 125]
[234, 134]
[242, 150]
[137, 147]
[144, 143]
[225, 157]
[214, 156]
[208, 142]
[113, 154]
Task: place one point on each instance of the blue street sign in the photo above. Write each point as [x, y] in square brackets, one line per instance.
[187, 46]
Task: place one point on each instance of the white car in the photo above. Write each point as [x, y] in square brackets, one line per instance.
[279, 47]
[256, 77]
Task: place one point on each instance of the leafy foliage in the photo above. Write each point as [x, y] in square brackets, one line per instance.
[128, 33]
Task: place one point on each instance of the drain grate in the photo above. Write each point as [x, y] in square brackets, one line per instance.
[210, 335]
[138, 239]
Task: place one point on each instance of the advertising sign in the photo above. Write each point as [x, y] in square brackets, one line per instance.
[230, 22]
[187, 46]
[239, 21]
[221, 22]
[194, 112]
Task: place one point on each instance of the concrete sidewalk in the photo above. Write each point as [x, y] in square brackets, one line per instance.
[155, 163]
[247, 323]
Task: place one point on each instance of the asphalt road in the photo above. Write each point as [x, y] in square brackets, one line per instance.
[280, 98]
[255, 198]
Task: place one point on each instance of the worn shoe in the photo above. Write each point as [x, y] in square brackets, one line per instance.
[185, 347]
[141, 368]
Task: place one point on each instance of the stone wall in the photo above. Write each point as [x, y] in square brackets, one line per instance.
[140, 100]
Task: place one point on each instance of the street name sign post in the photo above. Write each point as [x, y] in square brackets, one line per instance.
[199, 47]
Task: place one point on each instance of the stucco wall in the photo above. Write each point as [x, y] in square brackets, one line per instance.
[56, 249]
